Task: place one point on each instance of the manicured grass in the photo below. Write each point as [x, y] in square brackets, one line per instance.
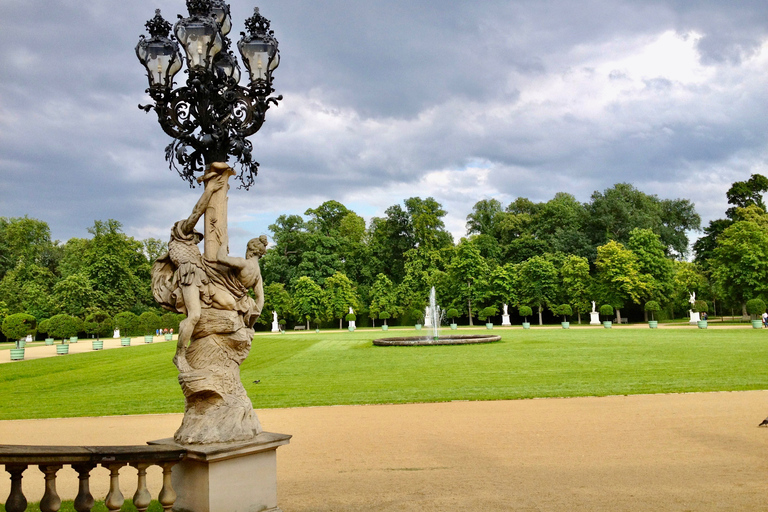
[307, 369]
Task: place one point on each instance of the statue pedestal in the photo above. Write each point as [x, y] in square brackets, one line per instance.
[505, 320]
[275, 327]
[594, 318]
[694, 317]
[228, 477]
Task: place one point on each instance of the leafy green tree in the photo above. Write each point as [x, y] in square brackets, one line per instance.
[576, 283]
[755, 307]
[563, 310]
[383, 297]
[27, 289]
[308, 299]
[98, 323]
[427, 221]
[740, 261]
[501, 285]
[745, 193]
[537, 283]
[614, 213]
[486, 218]
[652, 307]
[171, 321]
[687, 278]
[276, 298]
[74, 294]
[390, 239]
[339, 296]
[18, 326]
[652, 261]
[27, 240]
[468, 270]
[525, 312]
[618, 277]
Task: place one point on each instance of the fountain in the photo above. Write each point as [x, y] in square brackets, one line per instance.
[433, 317]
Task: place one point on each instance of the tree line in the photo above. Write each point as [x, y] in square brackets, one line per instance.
[623, 247]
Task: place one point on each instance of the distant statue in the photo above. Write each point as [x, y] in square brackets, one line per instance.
[505, 310]
[274, 316]
[351, 312]
[693, 298]
[594, 309]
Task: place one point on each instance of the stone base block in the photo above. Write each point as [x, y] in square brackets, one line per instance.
[594, 318]
[505, 320]
[228, 477]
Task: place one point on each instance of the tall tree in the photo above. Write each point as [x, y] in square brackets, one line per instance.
[308, 299]
[576, 282]
[486, 218]
[537, 283]
[383, 297]
[427, 221]
[468, 269]
[339, 296]
[618, 277]
[647, 247]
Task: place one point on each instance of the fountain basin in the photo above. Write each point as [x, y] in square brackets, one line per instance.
[458, 339]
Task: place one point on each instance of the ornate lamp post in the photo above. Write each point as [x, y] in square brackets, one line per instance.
[211, 116]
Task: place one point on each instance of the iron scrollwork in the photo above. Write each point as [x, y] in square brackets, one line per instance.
[211, 117]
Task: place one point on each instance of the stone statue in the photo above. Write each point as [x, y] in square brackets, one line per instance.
[594, 308]
[274, 316]
[215, 338]
[693, 298]
[505, 310]
[351, 312]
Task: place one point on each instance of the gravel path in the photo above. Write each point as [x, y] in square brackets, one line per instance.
[689, 452]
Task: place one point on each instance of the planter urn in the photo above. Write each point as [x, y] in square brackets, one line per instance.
[17, 354]
[653, 324]
[62, 349]
[149, 338]
[454, 327]
[607, 324]
[526, 325]
[757, 324]
[98, 344]
[566, 325]
[384, 327]
[49, 341]
[489, 325]
[418, 327]
[125, 342]
[73, 339]
[702, 324]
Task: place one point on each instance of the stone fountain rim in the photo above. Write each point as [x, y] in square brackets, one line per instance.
[455, 339]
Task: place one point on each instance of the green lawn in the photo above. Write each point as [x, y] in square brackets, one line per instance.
[345, 368]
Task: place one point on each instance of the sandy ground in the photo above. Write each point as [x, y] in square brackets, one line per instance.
[691, 452]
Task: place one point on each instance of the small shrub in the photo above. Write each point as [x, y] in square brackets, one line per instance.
[525, 312]
[63, 326]
[351, 317]
[563, 310]
[701, 306]
[17, 326]
[384, 316]
[452, 313]
[606, 310]
[652, 307]
[98, 323]
[755, 307]
[487, 313]
[149, 322]
[43, 326]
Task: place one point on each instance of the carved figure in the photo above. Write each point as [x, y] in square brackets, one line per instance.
[505, 310]
[594, 309]
[215, 338]
[693, 298]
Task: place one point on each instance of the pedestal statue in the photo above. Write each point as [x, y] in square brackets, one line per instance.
[275, 324]
[594, 316]
[505, 316]
[215, 338]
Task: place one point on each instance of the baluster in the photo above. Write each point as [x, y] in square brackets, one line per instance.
[84, 501]
[167, 495]
[114, 499]
[16, 501]
[51, 501]
[142, 498]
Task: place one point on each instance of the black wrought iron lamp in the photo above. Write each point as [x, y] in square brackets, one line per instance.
[211, 116]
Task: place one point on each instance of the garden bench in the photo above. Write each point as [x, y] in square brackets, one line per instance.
[622, 321]
[299, 327]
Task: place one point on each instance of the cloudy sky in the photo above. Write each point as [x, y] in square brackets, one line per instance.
[385, 100]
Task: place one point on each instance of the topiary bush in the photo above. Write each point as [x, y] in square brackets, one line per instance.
[384, 316]
[487, 313]
[701, 306]
[43, 326]
[98, 323]
[351, 317]
[652, 307]
[755, 307]
[563, 310]
[452, 313]
[149, 322]
[127, 323]
[63, 326]
[606, 310]
[17, 326]
[525, 312]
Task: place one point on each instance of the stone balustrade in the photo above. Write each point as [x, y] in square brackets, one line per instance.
[83, 459]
